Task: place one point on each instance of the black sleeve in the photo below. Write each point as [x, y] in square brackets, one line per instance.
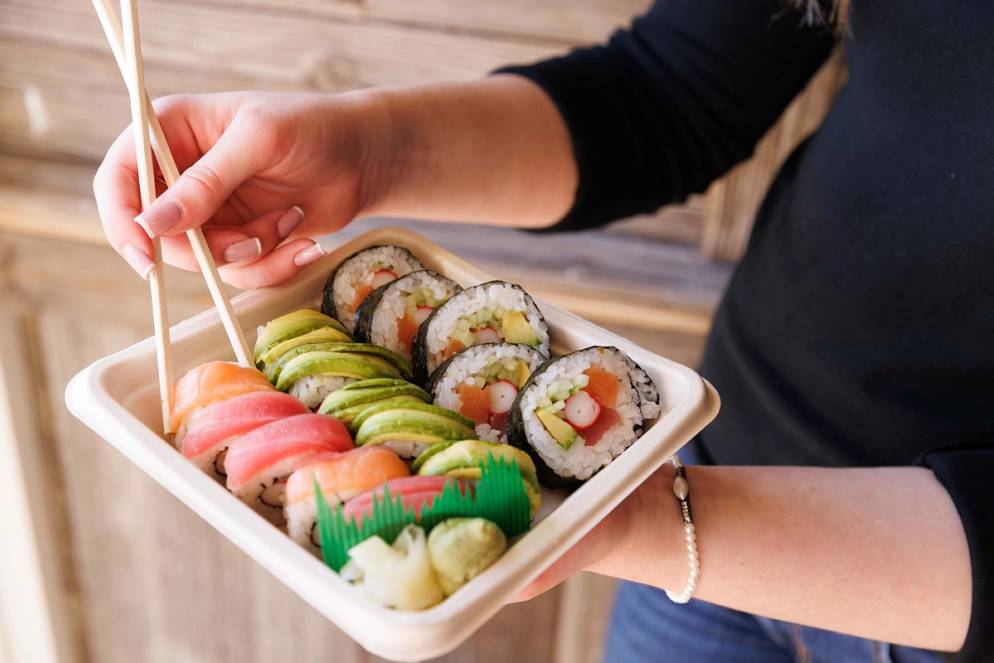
[967, 473]
[672, 103]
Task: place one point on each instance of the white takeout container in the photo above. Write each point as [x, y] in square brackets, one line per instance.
[117, 397]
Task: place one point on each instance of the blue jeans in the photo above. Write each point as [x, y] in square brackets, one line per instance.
[647, 627]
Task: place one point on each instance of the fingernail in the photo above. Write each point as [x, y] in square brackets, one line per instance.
[140, 261]
[308, 255]
[159, 218]
[243, 250]
[289, 221]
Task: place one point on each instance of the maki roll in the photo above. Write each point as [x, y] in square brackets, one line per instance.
[491, 312]
[577, 413]
[258, 464]
[205, 438]
[341, 478]
[482, 382]
[391, 314]
[209, 383]
[360, 274]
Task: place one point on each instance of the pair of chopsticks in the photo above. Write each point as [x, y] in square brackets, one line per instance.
[125, 44]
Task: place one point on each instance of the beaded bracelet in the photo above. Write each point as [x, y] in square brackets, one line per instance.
[681, 488]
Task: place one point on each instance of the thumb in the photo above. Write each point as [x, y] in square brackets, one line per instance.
[204, 186]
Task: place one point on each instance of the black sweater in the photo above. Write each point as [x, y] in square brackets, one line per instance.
[859, 327]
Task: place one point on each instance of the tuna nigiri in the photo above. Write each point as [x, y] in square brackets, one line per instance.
[208, 433]
[340, 478]
[416, 492]
[209, 383]
[258, 463]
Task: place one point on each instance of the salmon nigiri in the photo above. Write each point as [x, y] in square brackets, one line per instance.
[209, 383]
[340, 479]
[258, 463]
[207, 435]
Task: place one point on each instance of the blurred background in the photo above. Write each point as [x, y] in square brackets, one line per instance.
[102, 565]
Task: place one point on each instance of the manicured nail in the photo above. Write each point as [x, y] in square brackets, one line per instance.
[308, 255]
[140, 261]
[289, 221]
[160, 217]
[243, 250]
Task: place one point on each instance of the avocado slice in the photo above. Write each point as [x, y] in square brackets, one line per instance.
[355, 415]
[375, 383]
[516, 329]
[396, 365]
[348, 399]
[524, 371]
[291, 325]
[320, 335]
[415, 422]
[465, 459]
[343, 364]
[560, 431]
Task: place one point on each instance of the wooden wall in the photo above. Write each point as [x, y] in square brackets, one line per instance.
[105, 566]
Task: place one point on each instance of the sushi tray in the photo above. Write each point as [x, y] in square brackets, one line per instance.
[416, 442]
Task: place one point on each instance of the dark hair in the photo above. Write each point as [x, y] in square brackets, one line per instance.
[831, 13]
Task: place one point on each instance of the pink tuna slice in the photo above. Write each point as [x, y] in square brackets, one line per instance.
[237, 416]
[303, 437]
[416, 492]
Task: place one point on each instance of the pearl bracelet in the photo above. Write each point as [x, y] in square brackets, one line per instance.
[681, 488]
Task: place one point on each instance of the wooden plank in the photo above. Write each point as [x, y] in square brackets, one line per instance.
[734, 200]
[37, 619]
[157, 583]
[571, 21]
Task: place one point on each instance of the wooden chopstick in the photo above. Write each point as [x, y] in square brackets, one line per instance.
[115, 37]
[146, 183]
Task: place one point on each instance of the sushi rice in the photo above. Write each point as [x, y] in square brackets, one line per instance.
[395, 302]
[313, 389]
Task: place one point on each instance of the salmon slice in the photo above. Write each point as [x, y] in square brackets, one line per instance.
[474, 402]
[602, 386]
[346, 474]
[212, 382]
[407, 329]
[361, 292]
[593, 434]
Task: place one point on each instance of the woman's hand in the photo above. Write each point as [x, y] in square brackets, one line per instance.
[257, 169]
[261, 168]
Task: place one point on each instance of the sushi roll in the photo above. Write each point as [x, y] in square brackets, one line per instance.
[341, 478]
[209, 383]
[481, 383]
[360, 274]
[391, 314]
[465, 459]
[578, 412]
[205, 438]
[409, 428]
[258, 464]
[353, 399]
[312, 372]
[491, 312]
[303, 327]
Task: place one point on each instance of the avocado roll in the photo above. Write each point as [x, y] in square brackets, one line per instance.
[282, 334]
[359, 275]
[578, 412]
[482, 382]
[408, 428]
[312, 372]
[391, 314]
[491, 312]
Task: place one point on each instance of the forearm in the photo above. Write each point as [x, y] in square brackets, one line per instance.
[878, 553]
[491, 151]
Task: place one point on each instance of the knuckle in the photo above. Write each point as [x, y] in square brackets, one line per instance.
[263, 125]
[204, 178]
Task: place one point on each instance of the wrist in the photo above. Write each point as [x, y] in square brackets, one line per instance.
[379, 142]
